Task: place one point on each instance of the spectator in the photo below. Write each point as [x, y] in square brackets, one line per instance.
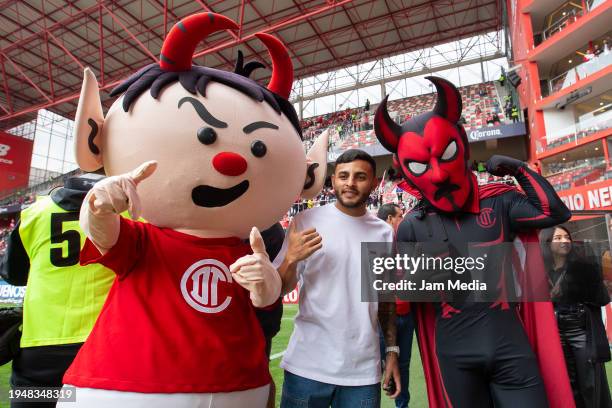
[335, 367]
[578, 293]
[495, 118]
[597, 50]
[400, 194]
[495, 106]
[367, 105]
[508, 109]
[365, 121]
[514, 114]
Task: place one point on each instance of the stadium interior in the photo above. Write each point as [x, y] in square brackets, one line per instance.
[535, 78]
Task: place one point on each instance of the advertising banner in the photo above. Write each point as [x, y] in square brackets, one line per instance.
[15, 159]
[10, 293]
[596, 196]
[474, 135]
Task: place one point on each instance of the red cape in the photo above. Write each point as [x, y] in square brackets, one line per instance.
[537, 317]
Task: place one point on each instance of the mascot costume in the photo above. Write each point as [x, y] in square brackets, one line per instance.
[208, 158]
[479, 354]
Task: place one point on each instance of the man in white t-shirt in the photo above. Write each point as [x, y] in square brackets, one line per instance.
[333, 357]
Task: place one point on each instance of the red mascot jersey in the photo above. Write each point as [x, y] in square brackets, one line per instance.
[174, 320]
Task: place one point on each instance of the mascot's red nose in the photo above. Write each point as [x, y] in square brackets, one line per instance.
[229, 164]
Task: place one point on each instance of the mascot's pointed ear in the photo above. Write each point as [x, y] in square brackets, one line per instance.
[317, 166]
[88, 125]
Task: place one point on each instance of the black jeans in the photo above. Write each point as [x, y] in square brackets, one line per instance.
[587, 378]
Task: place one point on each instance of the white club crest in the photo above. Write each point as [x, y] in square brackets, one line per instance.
[199, 286]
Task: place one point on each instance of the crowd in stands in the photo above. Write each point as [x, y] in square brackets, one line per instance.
[482, 106]
[353, 127]
[575, 173]
[5, 230]
[7, 224]
[22, 199]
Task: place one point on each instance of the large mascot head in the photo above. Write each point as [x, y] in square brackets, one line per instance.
[229, 149]
[431, 150]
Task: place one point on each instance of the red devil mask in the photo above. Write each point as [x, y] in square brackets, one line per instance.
[431, 150]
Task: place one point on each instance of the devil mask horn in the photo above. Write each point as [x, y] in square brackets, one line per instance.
[387, 131]
[448, 104]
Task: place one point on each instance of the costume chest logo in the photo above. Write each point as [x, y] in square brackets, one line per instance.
[199, 286]
[486, 218]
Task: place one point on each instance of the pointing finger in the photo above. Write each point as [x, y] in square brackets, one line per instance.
[143, 171]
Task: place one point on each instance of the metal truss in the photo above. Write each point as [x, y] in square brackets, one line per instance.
[45, 44]
[428, 60]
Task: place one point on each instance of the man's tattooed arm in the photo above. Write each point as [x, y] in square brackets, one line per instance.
[386, 318]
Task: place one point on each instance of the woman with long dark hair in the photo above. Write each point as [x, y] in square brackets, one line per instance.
[578, 292]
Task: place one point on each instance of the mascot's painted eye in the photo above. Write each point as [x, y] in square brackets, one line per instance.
[207, 135]
[449, 152]
[417, 168]
[258, 148]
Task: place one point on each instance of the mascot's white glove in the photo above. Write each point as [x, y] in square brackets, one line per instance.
[256, 273]
[108, 198]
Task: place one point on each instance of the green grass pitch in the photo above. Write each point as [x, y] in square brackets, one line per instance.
[418, 395]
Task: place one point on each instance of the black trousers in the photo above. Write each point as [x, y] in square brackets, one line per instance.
[588, 379]
[42, 366]
[486, 361]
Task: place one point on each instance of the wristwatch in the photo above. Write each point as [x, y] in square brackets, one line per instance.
[394, 349]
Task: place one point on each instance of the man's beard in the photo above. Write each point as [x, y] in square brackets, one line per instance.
[360, 201]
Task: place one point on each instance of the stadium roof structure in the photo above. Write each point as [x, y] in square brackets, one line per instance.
[46, 44]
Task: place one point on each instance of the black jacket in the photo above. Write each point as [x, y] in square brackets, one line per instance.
[581, 283]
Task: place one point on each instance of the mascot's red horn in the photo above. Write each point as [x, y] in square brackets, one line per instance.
[448, 105]
[180, 43]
